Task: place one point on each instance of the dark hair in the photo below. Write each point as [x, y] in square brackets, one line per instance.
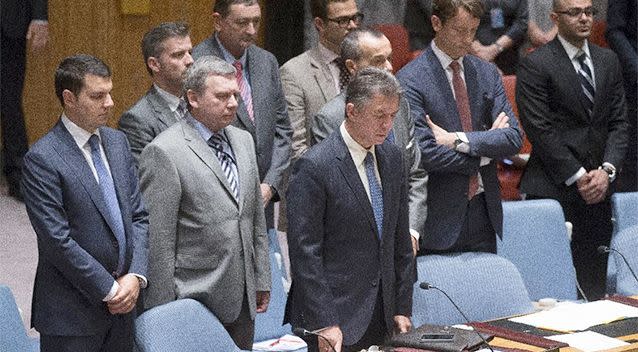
[370, 81]
[153, 40]
[196, 74]
[446, 9]
[319, 8]
[223, 6]
[72, 70]
[350, 48]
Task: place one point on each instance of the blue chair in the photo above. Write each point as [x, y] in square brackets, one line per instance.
[624, 209]
[485, 286]
[183, 325]
[625, 242]
[13, 336]
[268, 325]
[535, 240]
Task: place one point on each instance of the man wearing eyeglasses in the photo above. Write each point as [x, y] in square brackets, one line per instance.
[572, 106]
[318, 75]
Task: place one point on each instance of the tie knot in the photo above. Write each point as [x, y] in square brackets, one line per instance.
[94, 142]
[238, 66]
[582, 56]
[369, 159]
[455, 66]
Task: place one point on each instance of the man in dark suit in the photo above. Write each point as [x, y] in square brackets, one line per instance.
[21, 21]
[81, 191]
[572, 106]
[208, 232]
[167, 54]
[348, 235]
[262, 109]
[622, 36]
[363, 48]
[418, 24]
[464, 123]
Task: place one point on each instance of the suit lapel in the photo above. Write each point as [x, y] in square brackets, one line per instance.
[321, 74]
[451, 121]
[599, 76]
[349, 171]
[569, 77]
[162, 111]
[473, 93]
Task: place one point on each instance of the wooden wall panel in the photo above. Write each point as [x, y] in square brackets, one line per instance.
[98, 28]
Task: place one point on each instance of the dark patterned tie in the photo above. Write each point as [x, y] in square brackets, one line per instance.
[376, 194]
[587, 83]
[344, 74]
[243, 89]
[217, 142]
[463, 105]
[110, 197]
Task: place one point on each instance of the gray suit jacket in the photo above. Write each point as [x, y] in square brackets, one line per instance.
[204, 243]
[308, 85]
[330, 117]
[271, 130]
[146, 119]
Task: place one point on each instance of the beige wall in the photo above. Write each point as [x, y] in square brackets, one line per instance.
[98, 28]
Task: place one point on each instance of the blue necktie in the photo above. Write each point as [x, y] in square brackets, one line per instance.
[110, 197]
[587, 83]
[217, 142]
[376, 194]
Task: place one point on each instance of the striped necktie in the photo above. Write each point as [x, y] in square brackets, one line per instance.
[243, 89]
[376, 194]
[586, 82]
[217, 142]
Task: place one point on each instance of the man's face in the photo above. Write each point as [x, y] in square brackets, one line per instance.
[375, 52]
[91, 108]
[329, 28]
[173, 61]
[573, 28]
[455, 36]
[371, 124]
[216, 106]
[238, 30]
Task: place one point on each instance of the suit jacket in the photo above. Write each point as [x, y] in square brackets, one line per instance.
[145, 120]
[338, 262]
[418, 24]
[622, 33]
[17, 15]
[563, 136]
[308, 85]
[330, 117]
[205, 244]
[428, 91]
[271, 130]
[77, 249]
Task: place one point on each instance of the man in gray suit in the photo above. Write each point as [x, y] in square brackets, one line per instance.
[166, 50]
[363, 48]
[316, 76]
[262, 108]
[208, 234]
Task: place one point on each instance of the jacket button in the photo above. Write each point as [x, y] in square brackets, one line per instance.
[374, 283]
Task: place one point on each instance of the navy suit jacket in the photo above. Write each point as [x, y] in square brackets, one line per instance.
[428, 92]
[78, 251]
[338, 263]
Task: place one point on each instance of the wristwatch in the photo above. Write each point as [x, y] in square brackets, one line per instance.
[610, 170]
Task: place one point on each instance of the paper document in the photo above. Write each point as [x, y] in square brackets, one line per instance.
[568, 317]
[284, 343]
[589, 341]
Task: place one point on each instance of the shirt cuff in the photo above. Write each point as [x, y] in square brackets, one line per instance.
[142, 279]
[414, 233]
[465, 146]
[112, 293]
[40, 22]
[485, 160]
[580, 173]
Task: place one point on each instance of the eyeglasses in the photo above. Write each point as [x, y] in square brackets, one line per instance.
[577, 11]
[344, 22]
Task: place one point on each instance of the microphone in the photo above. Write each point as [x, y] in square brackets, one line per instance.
[301, 332]
[426, 286]
[605, 249]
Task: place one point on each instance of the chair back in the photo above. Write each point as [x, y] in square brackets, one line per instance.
[624, 206]
[398, 37]
[268, 325]
[182, 325]
[13, 336]
[483, 285]
[535, 240]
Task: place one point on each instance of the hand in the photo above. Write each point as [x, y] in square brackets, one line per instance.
[442, 136]
[502, 121]
[38, 34]
[263, 298]
[266, 193]
[487, 53]
[126, 296]
[402, 324]
[332, 334]
[415, 245]
[593, 186]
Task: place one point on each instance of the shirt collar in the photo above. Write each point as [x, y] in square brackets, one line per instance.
[203, 131]
[171, 100]
[327, 55]
[357, 151]
[573, 50]
[228, 57]
[80, 135]
[444, 58]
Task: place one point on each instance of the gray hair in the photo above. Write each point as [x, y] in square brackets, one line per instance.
[350, 48]
[369, 82]
[153, 41]
[202, 68]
